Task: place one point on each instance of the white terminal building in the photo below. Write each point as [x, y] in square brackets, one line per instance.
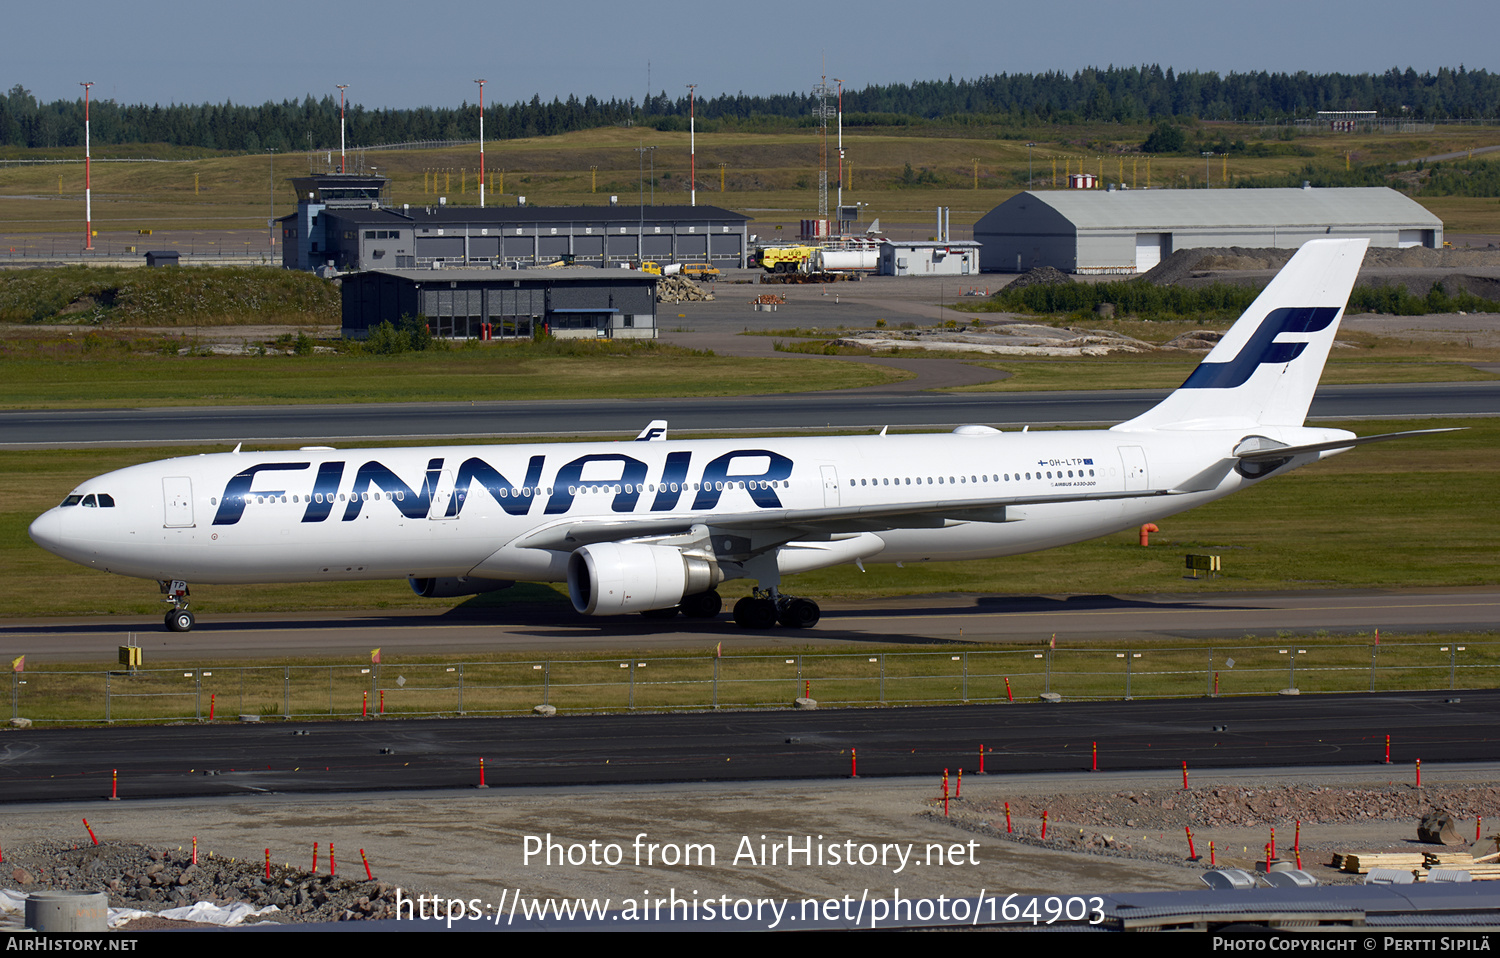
[929, 257]
[1130, 231]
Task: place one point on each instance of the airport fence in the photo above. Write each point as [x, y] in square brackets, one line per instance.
[119, 254]
[624, 684]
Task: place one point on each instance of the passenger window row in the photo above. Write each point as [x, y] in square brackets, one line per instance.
[963, 480]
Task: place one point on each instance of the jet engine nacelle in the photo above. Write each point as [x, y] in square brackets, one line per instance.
[451, 586]
[609, 578]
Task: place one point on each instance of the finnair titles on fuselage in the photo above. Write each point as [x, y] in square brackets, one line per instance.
[656, 525]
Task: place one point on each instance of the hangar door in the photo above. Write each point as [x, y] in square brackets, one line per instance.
[1150, 249]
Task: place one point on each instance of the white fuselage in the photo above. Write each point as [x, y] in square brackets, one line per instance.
[315, 514]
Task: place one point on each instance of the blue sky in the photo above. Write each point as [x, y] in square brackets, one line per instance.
[406, 55]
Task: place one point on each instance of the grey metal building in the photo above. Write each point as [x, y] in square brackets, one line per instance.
[504, 304]
[338, 221]
[1130, 231]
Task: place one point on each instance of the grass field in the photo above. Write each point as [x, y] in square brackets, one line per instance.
[771, 176]
[1412, 513]
[1169, 374]
[1366, 358]
[63, 374]
[408, 687]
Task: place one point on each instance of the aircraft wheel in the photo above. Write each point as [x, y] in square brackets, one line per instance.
[180, 620]
[753, 613]
[800, 614]
[668, 613]
[704, 605]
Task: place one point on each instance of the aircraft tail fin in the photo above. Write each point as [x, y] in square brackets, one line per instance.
[1265, 369]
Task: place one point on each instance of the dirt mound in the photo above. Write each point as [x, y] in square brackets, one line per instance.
[1485, 287]
[1184, 263]
[1040, 276]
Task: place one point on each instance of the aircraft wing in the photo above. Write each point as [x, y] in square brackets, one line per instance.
[785, 525]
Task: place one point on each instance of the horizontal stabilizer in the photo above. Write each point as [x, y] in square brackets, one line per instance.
[1263, 454]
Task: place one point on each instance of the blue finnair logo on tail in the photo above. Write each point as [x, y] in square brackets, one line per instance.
[1262, 349]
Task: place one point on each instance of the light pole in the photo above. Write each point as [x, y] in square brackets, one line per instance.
[640, 233]
[481, 143]
[1028, 164]
[88, 182]
[271, 198]
[1206, 158]
[342, 87]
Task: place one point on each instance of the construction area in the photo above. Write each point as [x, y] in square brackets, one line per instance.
[1137, 830]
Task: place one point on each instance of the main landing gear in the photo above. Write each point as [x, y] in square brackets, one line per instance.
[703, 605]
[763, 608]
[179, 619]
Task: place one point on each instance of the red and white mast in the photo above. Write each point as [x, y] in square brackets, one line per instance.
[692, 147]
[841, 143]
[481, 143]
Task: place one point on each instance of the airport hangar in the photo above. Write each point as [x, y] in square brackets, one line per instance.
[491, 303]
[1130, 231]
[342, 221]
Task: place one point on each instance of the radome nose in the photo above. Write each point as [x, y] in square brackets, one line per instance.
[46, 530]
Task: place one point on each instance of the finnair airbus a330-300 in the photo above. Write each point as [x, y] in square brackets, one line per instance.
[656, 525]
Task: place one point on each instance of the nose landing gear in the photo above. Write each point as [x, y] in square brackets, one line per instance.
[179, 619]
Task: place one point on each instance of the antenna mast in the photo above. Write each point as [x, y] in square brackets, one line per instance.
[823, 111]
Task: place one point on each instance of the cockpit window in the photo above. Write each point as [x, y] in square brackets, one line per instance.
[106, 501]
[72, 500]
[89, 503]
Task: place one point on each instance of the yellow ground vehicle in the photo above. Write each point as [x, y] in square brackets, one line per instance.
[785, 259]
[700, 271]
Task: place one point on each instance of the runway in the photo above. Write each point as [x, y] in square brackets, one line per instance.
[921, 620]
[383, 755]
[851, 409]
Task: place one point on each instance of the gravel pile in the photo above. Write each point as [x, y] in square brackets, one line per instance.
[1040, 276]
[151, 879]
[1149, 824]
[1282, 805]
[680, 289]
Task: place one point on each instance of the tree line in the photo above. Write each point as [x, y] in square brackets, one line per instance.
[1115, 94]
